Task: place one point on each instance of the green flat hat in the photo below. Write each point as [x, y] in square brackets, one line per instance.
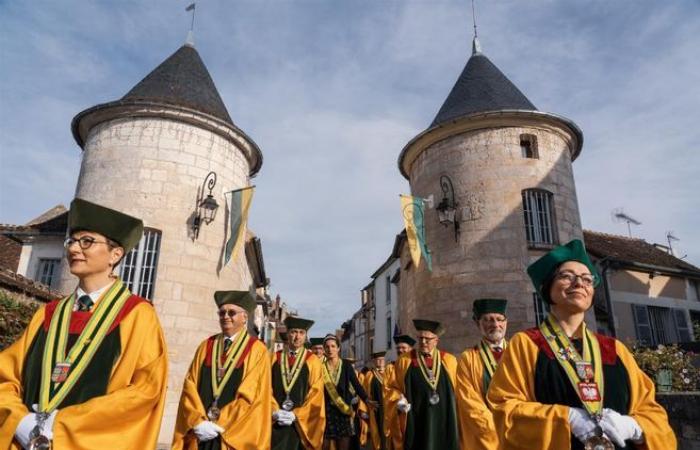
[297, 322]
[316, 341]
[117, 226]
[404, 338]
[488, 305]
[542, 270]
[378, 355]
[429, 325]
[238, 298]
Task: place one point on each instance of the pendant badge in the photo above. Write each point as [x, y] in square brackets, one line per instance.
[288, 404]
[434, 398]
[220, 372]
[40, 442]
[60, 372]
[598, 443]
[584, 370]
[589, 392]
[213, 413]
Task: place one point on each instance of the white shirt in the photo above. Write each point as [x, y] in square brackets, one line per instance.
[94, 295]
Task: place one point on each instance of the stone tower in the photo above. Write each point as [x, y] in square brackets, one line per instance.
[148, 154]
[511, 169]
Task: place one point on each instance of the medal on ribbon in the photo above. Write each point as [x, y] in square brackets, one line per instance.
[290, 376]
[585, 373]
[431, 376]
[224, 363]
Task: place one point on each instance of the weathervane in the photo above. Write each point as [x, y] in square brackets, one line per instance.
[476, 47]
[190, 35]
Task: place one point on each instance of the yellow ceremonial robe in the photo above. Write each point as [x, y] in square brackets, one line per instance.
[397, 384]
[524, 423]
[392, 420]
[360, 412]
[311, 415]
[376, 437]
[476, 428]
[127, 417]
[247, 420]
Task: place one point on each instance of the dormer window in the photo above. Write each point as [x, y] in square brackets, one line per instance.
[528, 146]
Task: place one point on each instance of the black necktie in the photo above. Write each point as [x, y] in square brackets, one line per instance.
[227, 345]
[84, 303]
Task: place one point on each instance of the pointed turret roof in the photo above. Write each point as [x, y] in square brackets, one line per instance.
[182, 80]
[481, 87]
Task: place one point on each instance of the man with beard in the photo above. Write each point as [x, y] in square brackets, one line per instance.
[426, 378]
[474, 371]
[297, 388]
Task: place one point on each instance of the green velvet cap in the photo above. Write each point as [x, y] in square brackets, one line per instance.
[404, 338]
[543, 269]
[238, 298]
[297, 322]
[488, 305]
[429, 325]
[316, 341]
[378, 355]
[117, 226]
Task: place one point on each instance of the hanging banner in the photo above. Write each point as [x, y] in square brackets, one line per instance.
[413, 211]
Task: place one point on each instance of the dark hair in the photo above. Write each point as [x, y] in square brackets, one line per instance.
[547, 285]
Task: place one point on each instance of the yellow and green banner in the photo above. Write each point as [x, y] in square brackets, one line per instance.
[413, 211]
[240, 203]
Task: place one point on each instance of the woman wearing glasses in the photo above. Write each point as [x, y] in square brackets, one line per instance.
[562, 386]
[90, 370]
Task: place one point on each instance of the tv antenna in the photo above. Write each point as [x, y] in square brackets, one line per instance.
[670, 237]
[618, 215]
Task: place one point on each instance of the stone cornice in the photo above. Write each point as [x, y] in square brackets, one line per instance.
[559, 125]
[84, 121]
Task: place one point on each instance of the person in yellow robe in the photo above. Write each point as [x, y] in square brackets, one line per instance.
[298, 401]
[561, 386]
[90, 370]
[426, 379]
[392, 424]
[474, 372]
[226, 400]
[373, 382]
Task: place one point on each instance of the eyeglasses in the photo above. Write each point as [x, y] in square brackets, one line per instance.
[85, 242]
[228, 312]
[587, 280]
[426, 338]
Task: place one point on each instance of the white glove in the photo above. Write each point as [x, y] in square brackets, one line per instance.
[276, 415]
[364, 415]
[25, 426]
[206, 431]
[285, 418]
[582, 425]
[355, 400]
[620, 428]
[403, 405]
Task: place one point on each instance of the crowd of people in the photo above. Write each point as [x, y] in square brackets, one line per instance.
[90, 372]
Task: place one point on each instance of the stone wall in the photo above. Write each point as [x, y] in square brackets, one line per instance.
[684, 415]
[152, 168]
[490, 259]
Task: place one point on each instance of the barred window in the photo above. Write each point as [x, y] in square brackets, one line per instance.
[541, 308]
[539, 220]
[138, 268]
[46, 271]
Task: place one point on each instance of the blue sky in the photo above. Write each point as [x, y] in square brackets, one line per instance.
[331, 90]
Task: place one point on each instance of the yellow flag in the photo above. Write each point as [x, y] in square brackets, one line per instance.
[413, 210]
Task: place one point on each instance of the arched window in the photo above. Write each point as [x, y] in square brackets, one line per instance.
[528, 146]
[539, 217]
[138, 268]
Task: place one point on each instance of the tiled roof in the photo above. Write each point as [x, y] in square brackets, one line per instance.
[49, 215]
[632, 250]
[17, 283]
[10, 251]
[481, 87]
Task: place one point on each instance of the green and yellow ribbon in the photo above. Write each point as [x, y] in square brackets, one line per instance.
[489, 361]
[292, 372]
[51, 394]
[330, 381]
[567, 356]
[437, 368]
[232, 356]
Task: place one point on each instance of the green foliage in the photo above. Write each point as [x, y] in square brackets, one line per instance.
[685, 376]
[14, 318]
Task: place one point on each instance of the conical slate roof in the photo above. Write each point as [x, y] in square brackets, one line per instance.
[181, 80]
[481, 87]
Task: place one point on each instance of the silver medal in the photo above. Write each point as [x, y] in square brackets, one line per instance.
[434, 398]
[287, 404]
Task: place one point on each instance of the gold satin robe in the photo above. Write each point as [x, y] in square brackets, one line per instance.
[247, 420]
[127, 417]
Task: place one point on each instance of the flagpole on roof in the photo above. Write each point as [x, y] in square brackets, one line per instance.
[190, 35]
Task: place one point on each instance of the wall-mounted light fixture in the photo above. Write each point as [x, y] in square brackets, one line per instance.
[447, 209]
[206, 207]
